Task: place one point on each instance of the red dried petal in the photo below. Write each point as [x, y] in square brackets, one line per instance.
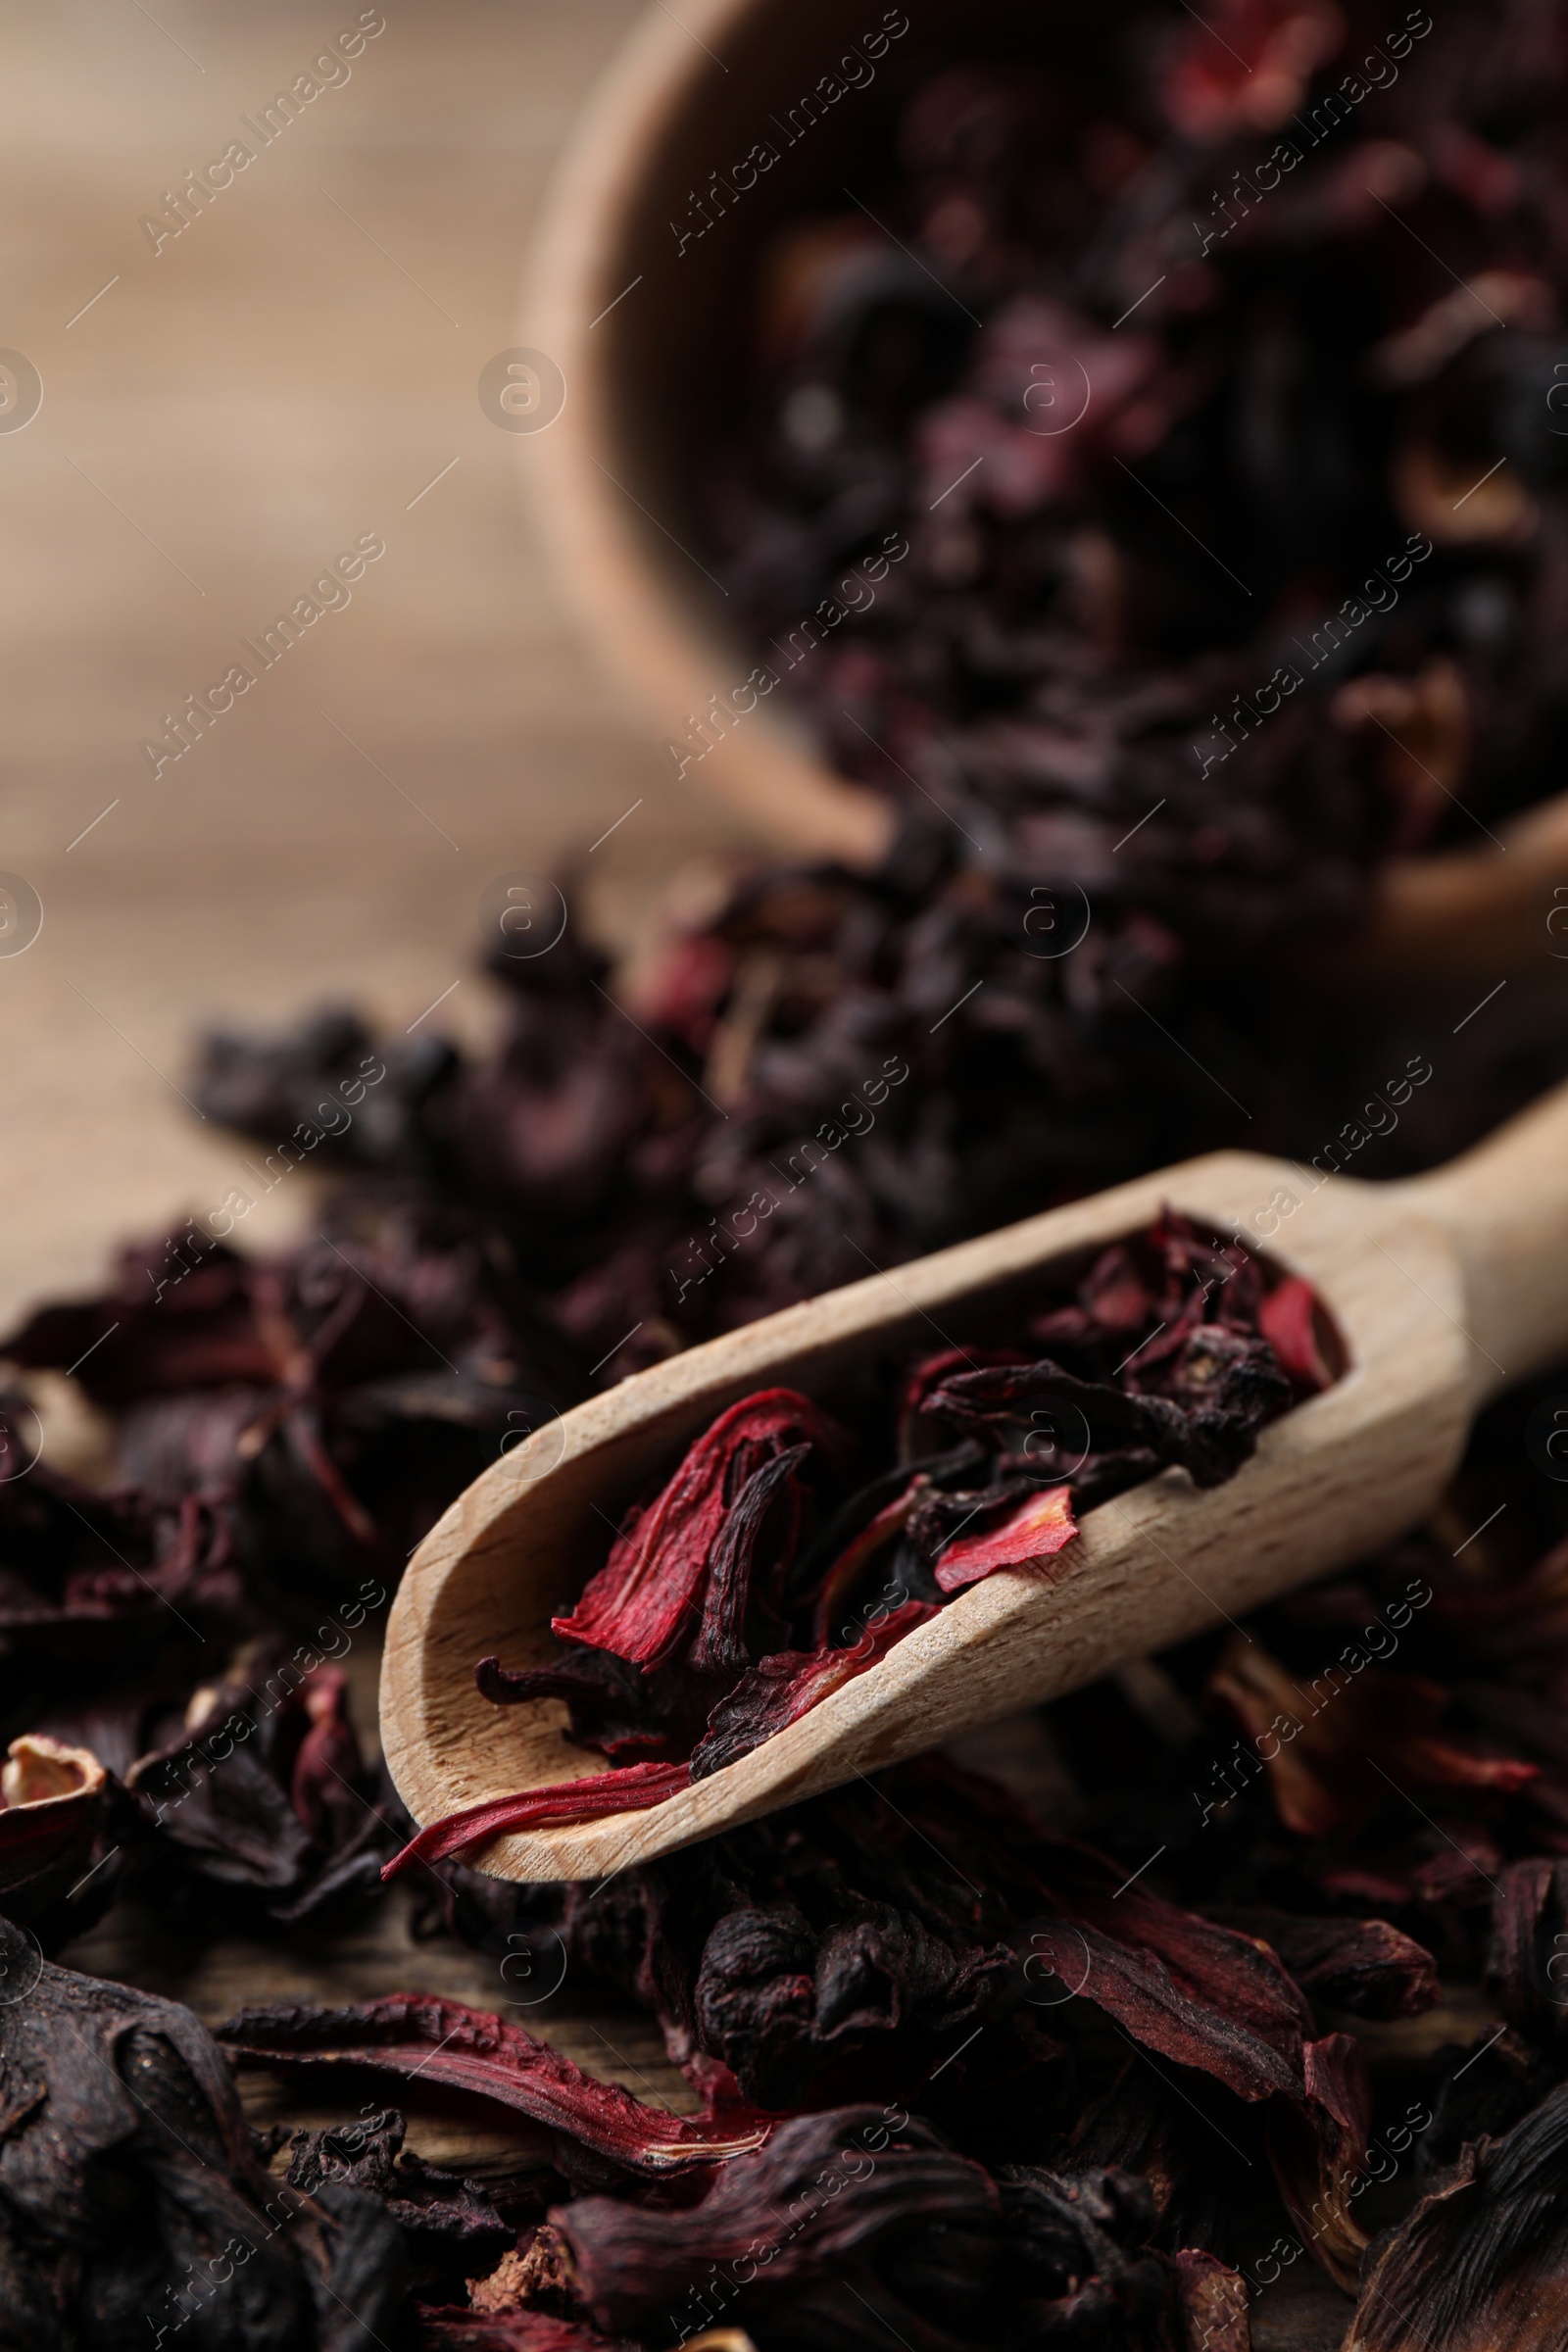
[1114, 1293]
[782, 1687]
[1361, 1965]
[1481, 2264]
[846, 1569]
[1026, 1537]
[415, 2034]
[1525, 1956]
[1330, 1736]
[322, 1785]
[631, 1716]
[685, 988]
[640, 1602]
[1180, 1986]
[206, 1333]
[630, 1790]
[771, 1490]
[1246, 65]
[922, 1381]
[1286, 1318]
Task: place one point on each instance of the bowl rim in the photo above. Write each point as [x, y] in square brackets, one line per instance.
[623, 601]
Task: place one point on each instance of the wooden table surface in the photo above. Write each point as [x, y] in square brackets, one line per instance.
[293, 369]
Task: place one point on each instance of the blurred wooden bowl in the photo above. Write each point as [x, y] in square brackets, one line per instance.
[645, 329]
[645, 334]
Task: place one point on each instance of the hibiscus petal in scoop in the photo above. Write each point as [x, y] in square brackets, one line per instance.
[1027, 1538]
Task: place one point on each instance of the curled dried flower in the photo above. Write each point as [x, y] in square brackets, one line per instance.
[448, 2042]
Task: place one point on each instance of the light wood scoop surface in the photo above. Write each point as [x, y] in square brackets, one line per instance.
[1445, 1290]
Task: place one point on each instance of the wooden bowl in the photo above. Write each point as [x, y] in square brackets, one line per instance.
[646, 331]
[644, 311]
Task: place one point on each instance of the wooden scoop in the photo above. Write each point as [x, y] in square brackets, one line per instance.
[1443, 1289]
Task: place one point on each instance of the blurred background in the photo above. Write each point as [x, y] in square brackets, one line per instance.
[219, 420]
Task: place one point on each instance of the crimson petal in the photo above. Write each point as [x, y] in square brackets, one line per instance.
[1026, 1537]
[788, 1684]
[448, 2042]
[631, 1790]
[639, 1601]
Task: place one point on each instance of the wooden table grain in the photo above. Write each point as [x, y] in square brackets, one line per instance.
[220, 418]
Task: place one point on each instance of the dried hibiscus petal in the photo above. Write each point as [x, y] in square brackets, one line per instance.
[1027, 1538]
[630, 1713]
[262, 1798]
[1113, 1294]
[417, 2034]
[1349, 1737]
[1525, 1965]
[1288, 1320]
[94, 1583]
[923, 1380]
[1210, 1438]
[720, 1645]
[640, 1602]
[878, 1532]
[631, 1790]
[786, 1685]
[856, 2207]
[1213, 2303]
[1252, 74]
[1361, 1965]
[1481, 2262]
[1179, 1984]
[1317, 2145]
[444, 2330]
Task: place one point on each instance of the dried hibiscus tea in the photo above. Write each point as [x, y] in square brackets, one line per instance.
[1149, 481]
[133, 2199]
[447, 2043]
[691, 1554]
[259, 1800]
[631, 1789]
[769, 1570]
[1283, 602]
[1480, 2266]
[1093, 468]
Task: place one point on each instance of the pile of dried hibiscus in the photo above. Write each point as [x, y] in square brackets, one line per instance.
[1247, 1960]
[962, 2076]
[1151, 461]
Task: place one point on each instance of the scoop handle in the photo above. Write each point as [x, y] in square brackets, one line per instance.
[1464, 913]
[1504, 1208]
